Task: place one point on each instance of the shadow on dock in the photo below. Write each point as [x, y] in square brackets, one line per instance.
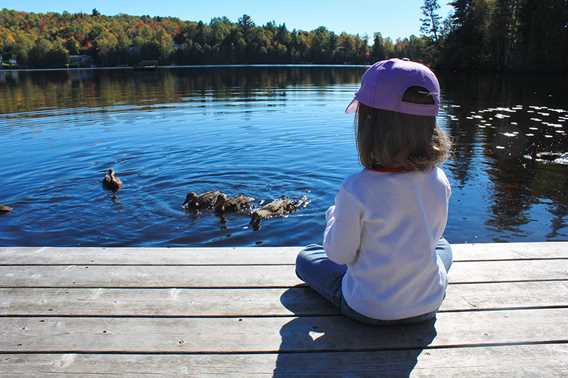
[309, 345]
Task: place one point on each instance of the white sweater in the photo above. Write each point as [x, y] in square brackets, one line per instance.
[385, 227]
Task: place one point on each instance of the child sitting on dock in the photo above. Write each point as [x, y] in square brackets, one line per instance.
[383, 259]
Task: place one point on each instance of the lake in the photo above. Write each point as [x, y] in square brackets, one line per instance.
[265, 132]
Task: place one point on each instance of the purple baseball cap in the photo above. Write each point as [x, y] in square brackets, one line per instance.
[384, 83]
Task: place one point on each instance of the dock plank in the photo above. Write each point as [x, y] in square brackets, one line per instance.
[502, 361]
[248, 255]
[244, 276]
[272, 334]
[252, 302]
[242, 312]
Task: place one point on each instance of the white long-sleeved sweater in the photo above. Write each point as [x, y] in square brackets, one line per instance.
[384, 227]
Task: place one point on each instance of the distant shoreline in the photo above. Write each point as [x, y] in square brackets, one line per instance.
[276, 66]
[189, 66]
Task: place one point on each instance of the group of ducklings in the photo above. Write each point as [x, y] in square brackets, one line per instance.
[223, 204]
[218, 202]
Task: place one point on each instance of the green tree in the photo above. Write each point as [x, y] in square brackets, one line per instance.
[246, 23]
[57, 56]
[106, 44]
[467, 44]
[37, 56]
[166, 43]
[499, 35]
[430, 23]
[542, 34]
[379, 51]
[73, 46]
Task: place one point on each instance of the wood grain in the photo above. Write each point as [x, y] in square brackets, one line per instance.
[272, 334]
[248, 255]
[244, 276]
[252, 302]
[502, 361]
[242, 312]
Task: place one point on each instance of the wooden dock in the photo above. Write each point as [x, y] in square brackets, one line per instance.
[242, 312]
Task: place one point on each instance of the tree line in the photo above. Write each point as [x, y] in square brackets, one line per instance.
[503, 35]
[478, 35]
[47, 40]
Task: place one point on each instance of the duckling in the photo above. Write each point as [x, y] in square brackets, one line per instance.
[5, 209]
[278, 207]
[194, 201]
[111, 181]
[240, 204]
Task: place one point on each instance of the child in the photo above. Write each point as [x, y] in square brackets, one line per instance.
[383, 259]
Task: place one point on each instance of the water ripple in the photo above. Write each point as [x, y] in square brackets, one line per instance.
[263, 132]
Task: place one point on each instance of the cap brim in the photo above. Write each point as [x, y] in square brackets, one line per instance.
[352, 107]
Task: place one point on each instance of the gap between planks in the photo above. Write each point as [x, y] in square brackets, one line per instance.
[255, 264]
[504, 361]
[251, 302]
[543, 360]
[214, 335]
[251, 255]
[243, 276]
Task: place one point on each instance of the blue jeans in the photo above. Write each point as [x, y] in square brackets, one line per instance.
[324, 276]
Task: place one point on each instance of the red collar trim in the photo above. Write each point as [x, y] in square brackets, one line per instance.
[389, 170]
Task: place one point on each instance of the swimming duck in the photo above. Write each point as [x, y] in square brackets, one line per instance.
[277, 208]
[194, 201]
[5, 209]
[111, 181]
[240, 204]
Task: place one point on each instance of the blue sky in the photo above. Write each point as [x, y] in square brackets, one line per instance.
[398, 18]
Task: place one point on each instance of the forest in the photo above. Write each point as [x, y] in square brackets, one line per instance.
[478, 35]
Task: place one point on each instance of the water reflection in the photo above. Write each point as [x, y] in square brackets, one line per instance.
[499, 117]
[30, 91]
[265, 132]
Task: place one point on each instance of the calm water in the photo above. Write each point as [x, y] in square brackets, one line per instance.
[266, 132]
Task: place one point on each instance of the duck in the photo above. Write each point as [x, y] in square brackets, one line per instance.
[111, 181]
[276, 208]
[240, 204]
[207, 200]
[4, 209]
